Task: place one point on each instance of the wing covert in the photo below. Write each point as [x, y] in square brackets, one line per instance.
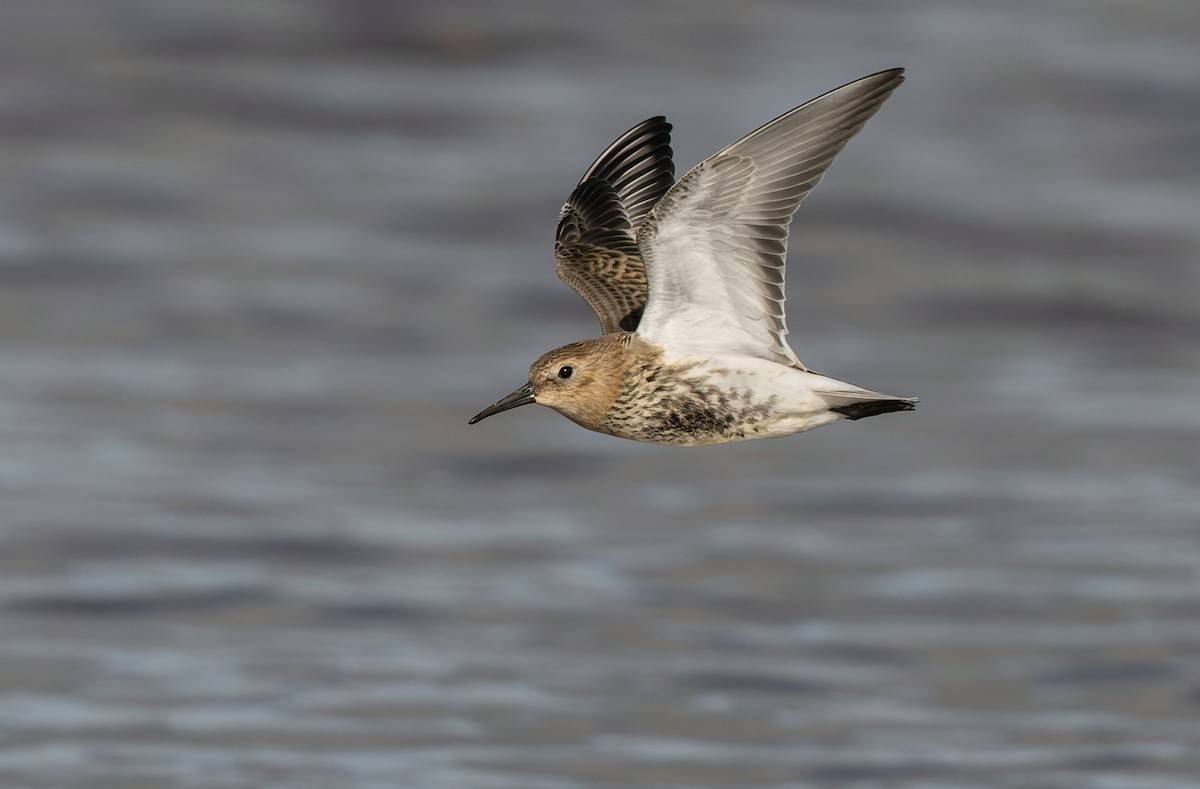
[595, 251]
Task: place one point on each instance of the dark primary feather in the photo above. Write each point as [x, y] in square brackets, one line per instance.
[595, 249]
[639, 167]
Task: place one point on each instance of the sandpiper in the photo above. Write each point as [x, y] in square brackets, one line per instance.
[687, 281]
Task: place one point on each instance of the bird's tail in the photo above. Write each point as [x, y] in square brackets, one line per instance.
[863, 403]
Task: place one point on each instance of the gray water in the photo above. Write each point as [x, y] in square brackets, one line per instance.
[260, 261]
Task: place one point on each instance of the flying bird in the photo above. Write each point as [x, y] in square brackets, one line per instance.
[687, 279]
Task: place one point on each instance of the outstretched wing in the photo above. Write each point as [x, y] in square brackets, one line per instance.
[714, 245]
[594, 247]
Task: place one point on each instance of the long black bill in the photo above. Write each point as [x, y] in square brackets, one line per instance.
[523, 396]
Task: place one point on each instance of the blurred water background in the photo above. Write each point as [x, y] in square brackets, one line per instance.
[260, 260]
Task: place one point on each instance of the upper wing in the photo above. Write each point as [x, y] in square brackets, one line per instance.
[714, 245]
[594, 247]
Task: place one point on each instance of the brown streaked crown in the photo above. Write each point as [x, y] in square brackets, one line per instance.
[581, 380]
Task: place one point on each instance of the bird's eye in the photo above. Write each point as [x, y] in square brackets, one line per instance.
[566, 371]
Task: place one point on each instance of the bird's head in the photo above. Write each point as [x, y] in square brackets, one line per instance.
[580, 381]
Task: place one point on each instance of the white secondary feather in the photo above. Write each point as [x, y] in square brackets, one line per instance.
[714, 245]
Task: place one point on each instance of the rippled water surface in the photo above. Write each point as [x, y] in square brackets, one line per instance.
[260, 261]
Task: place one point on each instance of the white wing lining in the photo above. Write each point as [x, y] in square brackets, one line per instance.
[714, 245]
